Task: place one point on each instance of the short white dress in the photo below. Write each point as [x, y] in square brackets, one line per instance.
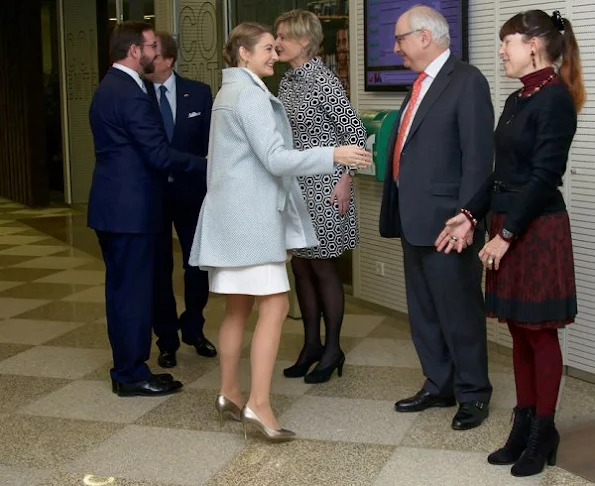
[266, 279]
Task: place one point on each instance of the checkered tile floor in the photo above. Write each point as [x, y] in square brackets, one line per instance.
[61, 425]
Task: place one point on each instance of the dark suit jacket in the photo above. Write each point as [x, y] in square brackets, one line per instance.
[194, 102]
[132, 157]
[447, 155]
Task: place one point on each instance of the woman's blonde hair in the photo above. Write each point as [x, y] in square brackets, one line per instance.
[302, 24]
[246, 35]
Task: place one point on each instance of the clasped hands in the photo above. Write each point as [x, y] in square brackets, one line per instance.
[458, 235]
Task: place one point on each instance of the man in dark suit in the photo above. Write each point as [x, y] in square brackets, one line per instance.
[185, 107]
[133, 159]
[442, 153]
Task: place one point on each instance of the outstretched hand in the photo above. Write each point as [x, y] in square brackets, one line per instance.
[456, 235]
[352, 156]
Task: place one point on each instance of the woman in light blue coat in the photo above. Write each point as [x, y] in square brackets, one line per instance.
[252, 216]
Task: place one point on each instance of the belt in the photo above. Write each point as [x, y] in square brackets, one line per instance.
[500, 186]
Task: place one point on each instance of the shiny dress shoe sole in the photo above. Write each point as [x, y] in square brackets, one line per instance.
[159, 376]
[137, 390]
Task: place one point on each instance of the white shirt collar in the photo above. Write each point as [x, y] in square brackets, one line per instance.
[170, 84]
[130, 72]
[437, 64]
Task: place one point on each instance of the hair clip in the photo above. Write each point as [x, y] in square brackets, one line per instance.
[558, 20]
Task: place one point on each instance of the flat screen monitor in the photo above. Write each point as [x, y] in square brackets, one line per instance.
[384, 70]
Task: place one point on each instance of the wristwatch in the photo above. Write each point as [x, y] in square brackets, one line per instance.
[506, 235]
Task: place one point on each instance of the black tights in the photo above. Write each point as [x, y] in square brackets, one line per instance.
[320, 293]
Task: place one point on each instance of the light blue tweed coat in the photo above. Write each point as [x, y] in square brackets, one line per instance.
[254, 210]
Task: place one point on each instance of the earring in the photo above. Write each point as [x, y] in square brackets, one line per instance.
[533, 60]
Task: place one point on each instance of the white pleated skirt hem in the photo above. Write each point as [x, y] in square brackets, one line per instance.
[266, 279]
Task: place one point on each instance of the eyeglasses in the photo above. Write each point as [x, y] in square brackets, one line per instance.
[400, 38]
[153, 45]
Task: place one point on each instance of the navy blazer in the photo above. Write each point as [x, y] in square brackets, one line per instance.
[194, 103]
[447, 156]
[132, 158]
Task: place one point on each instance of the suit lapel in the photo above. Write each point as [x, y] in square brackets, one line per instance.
[438, 86]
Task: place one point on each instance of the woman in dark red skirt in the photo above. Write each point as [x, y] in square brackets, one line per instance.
[530, 281]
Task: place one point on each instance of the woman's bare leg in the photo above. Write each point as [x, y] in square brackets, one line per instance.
[272, 311]
[231, 340]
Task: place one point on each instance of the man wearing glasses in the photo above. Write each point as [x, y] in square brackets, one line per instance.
[132, 160]
[442, 153]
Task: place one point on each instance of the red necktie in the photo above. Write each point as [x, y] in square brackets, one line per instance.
[406, 122]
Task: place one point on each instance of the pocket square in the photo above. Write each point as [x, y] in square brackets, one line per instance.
[193, 114]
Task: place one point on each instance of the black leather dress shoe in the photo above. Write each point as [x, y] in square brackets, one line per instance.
[162, 377]
[167, 359]
[422, 400]
[154, 387]
[470, 415]
[204, 347]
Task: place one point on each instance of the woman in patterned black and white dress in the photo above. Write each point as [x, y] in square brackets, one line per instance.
[320, 115]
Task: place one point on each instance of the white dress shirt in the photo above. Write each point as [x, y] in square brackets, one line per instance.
[132, 73]
[170, 94]
[432, 71]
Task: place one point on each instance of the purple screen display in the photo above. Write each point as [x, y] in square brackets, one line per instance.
[384, 68]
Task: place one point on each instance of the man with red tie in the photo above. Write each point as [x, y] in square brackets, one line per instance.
[442, 153]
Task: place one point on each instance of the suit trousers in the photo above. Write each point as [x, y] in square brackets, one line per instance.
[128, 295]
[196, 282]
[448, 322]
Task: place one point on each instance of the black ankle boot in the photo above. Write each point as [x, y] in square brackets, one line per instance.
[542, 447]
[517, 440]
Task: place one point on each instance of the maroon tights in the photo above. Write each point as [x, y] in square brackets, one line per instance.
[537, 360]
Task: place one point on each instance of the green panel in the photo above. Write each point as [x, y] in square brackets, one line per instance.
[379, 124]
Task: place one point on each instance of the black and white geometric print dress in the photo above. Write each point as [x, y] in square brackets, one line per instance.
[321, 115]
